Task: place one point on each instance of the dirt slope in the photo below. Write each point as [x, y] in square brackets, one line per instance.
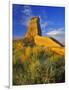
[48, 42]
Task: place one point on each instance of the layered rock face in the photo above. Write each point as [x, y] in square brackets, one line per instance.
[34, 28]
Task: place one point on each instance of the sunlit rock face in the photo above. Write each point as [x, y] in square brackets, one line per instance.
[34, 28]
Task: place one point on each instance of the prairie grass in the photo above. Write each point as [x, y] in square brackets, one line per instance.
[37, 65]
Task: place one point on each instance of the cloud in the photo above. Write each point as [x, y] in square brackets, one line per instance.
[43, 20]
[43, 26]
[56, 32]
[26, 15]
[27, 10]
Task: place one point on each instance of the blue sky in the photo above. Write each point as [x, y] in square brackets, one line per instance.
[52, 20]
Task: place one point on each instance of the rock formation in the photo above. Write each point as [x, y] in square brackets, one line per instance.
[34, 37]
[34, 28]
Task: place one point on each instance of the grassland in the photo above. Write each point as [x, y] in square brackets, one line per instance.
[36, 65]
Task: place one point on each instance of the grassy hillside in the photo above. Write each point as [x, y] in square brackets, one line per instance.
[36, 64]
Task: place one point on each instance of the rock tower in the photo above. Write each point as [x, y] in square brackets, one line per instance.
[34, 28]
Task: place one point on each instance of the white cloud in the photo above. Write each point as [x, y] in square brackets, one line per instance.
[44, 24]
[43, 27]
[56, 32]
[27, 13]
[27, 10]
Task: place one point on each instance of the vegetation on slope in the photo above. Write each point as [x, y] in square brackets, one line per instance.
[37, 65]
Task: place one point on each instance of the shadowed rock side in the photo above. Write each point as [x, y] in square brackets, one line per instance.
[57, 41]
[48, 42]
[34, 37]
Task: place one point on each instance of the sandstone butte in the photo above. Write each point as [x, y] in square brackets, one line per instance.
[34, 31]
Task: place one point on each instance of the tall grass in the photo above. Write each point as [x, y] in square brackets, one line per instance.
[37, 65]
